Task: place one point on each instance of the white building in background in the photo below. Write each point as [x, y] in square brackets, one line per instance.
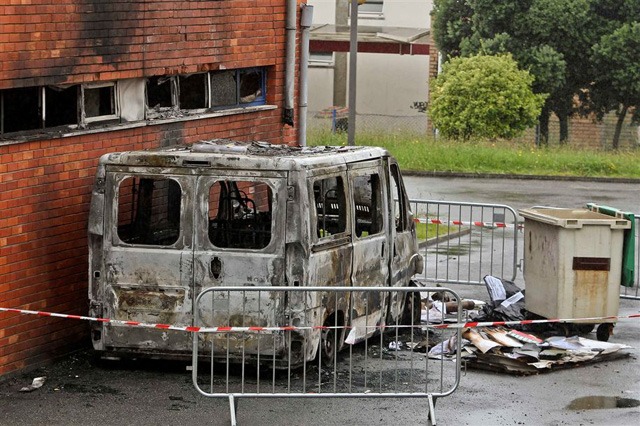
[396, 59]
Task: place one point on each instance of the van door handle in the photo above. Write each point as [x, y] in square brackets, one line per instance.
[382, 254]
[216, 267]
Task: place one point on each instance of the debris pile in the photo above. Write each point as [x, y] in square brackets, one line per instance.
[515, 352]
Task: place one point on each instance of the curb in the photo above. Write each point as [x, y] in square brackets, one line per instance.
[434, 173]
[442, 238]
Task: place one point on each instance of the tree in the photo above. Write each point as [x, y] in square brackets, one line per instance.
[550, 38]
[450, 24]
[483, 96]
[617, 82]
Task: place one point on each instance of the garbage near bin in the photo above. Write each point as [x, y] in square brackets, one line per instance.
[573, 263]
[506, 302]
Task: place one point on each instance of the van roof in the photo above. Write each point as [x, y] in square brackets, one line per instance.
[225, 153]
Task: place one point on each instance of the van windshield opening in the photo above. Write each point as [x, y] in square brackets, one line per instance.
[149, 211]
[240, 214]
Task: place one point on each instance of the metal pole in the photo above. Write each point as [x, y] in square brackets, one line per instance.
[353, 61]
[306, 17]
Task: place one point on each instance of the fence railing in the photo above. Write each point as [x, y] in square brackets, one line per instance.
[284, 342]
[466, 241]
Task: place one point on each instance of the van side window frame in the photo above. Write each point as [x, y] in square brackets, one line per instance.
[367, 202]
[401, 207]
[331, 191]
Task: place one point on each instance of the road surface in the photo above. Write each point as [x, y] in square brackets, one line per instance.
[80, 392]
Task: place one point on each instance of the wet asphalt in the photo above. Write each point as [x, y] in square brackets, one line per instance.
[79, 390]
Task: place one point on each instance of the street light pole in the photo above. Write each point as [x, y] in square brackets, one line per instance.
[353, 61]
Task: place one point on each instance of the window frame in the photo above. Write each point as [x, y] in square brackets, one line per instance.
[262, 98]
[206, 94]
[38, 101]
[345, 234]
[99, 118]
[318, 61]
[120, 179]
[143, 115]
[272, 209]
[375, 12]
[375, 190]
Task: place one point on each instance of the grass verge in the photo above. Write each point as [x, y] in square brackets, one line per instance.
[501, 157]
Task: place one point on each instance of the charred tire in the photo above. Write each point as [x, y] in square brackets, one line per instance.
[604, 331]
[330, 339]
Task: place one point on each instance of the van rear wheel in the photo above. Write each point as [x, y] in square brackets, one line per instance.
[330, 340]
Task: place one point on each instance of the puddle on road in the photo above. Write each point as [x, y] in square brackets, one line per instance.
[600, 402]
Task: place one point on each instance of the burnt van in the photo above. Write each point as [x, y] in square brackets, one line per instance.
[166, 224]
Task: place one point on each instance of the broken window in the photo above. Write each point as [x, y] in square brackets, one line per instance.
[331, 212]
[251, 86]
[240, 214]
[41, 107]
[223, 88]
[160, 92]
[61, 105]
[367, 199]
[238, 87]
[99, 101]
[20, 109]
[194, 92]
[149, 211]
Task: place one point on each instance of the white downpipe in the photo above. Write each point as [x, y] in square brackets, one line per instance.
[290, 65]
[306, 17]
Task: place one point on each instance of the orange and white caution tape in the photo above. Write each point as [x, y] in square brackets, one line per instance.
[228, 329]
[466, 223]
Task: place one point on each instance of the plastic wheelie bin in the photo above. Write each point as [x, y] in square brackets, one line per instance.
[573, 264]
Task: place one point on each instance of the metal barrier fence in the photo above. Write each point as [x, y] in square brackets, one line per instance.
[284, 342]
[466, 241]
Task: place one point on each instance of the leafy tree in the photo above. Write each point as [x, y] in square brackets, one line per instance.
[483, 96]
[451, 23]
[550, 38]
[617, 83]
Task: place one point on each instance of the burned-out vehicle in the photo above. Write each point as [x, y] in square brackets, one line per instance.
[166, 224]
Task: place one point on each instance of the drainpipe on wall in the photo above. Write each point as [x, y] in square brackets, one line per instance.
[290, 65]
[353, 73]
[306, 16]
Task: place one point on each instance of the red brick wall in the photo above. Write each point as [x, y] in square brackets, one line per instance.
[75, 41]
[45, 185]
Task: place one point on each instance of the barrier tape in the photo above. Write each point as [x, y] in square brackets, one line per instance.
[228, 329]
[463, 223]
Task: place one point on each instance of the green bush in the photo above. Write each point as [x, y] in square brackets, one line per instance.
[485, 97]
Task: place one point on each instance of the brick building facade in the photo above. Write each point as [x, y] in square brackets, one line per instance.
[79, 78]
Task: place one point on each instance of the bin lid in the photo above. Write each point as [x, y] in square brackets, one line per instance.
[573, 218]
